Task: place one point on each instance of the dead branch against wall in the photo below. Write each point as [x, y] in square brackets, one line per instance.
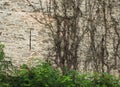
[66, 39]
[103, 27]
[76, 19]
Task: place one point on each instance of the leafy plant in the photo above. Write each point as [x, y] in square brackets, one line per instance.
[44, 75]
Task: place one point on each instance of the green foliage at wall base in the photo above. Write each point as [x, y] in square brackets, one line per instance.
[45, 75]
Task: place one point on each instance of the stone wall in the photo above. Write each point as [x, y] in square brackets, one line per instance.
[15, 26]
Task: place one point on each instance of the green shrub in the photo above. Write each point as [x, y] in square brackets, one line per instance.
[44, 75]
[5, 65]
[105, 80]
[2, 56]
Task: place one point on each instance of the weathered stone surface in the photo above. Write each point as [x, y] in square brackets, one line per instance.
[15, 25]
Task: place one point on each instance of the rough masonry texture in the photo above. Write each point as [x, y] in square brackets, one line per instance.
[16, 24]
[26, 40]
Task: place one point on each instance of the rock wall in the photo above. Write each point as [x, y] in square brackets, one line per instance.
[17, 27]
[26, 40]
